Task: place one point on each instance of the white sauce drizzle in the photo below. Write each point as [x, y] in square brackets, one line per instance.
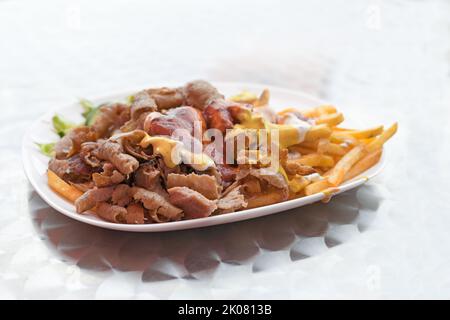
[313, 177]
[301, 126]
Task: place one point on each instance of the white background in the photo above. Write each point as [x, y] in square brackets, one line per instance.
[380, 61]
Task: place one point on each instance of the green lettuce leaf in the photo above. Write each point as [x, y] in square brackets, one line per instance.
[47, 148]
[61, 126]
[90, 111]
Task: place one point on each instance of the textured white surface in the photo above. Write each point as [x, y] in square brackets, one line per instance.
[378, 60]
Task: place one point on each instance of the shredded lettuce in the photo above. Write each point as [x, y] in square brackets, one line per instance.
[130, 99]
[47, 148]
[61, 126]
[90, 111]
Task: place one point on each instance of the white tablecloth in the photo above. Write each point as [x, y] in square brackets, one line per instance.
[380, 61]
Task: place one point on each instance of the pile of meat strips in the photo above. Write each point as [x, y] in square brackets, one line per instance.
[126, 183]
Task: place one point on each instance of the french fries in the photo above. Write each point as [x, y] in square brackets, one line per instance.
[365, 163]
[244, 97]
[264, 199]
[339, 153]
[318, 131]
[382, 138]
[342, 157]
[327, 147]
[302, 150]
[360, 134]
[325, 109]
[316, 187]
[343, 138]
[263, 99]
[331, 120]
[344, 165]
[248, 97]
[311, 144]
[318, 111]
[62, 188]
[316, 160]
[298, 183]
[343, 129]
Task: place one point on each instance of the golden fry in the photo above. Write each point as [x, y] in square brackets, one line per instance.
[311, 144]
[367, 141]
[365, 163]
[331, 120]
[298, 183]
[244, 97]
[316, 160]
[344, 165]
[263, 99]
[302, 150]
[325, 146]
[366, 134]
[318, 111]
[62, 188]
[325, 109]
[264, 199]
[317, 132]
[343, 138]
[381, 139]
[316, 187]
[343, 129]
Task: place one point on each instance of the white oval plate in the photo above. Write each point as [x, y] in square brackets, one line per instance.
[41, 131]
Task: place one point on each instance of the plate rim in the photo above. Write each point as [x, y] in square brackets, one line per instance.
[185, 224]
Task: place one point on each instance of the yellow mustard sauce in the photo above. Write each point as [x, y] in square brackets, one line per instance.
[329, 194]
[173, 153]
[249, 120]
[291, 132]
